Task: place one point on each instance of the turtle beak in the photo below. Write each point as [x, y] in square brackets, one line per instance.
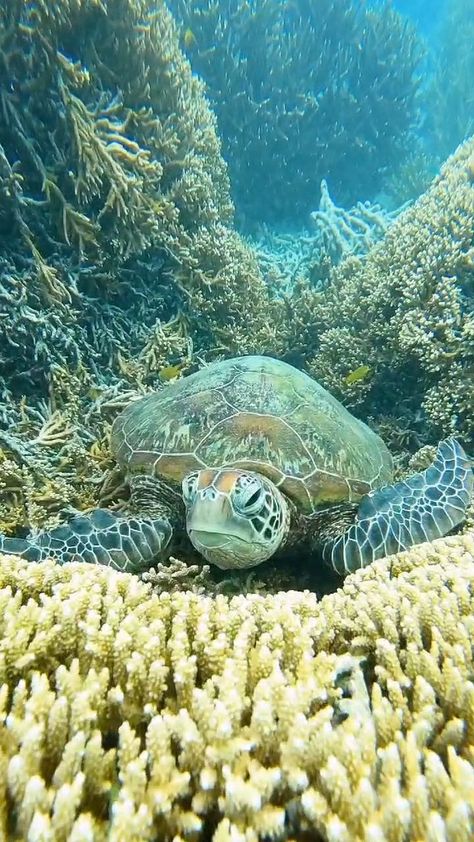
[208, 520]
[209, 523]
[220, 549]
[209, 540]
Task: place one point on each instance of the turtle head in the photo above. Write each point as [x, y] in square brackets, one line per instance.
[234, 518]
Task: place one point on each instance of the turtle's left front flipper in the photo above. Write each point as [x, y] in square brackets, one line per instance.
[130, 544]
[393, 518]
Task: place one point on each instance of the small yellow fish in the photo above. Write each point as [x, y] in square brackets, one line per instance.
[360, 373]
[95, 392]
[189, 38]
[169, 372]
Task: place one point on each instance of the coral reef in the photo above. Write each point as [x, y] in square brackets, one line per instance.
[115, 236]
[288, 259]
[131, 715]
[342, 232]
[406, 311]
[115, 198]
[167, 708]
[119, 263]
[329, 93]
[412, 177]
[448, 96]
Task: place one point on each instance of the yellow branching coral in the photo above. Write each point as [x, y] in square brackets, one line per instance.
[127, 714]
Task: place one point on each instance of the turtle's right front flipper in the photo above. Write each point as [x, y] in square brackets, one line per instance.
[129, 544]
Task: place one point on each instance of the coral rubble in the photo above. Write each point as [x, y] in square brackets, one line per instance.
[127, 714]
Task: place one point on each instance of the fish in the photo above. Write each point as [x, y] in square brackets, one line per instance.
[169, 372]
[358, 374]
[189, 38]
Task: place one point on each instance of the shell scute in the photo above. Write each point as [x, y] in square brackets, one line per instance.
[261, 438]
[256, 413]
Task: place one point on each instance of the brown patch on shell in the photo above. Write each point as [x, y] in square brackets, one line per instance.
[175, 466]
[325, 488]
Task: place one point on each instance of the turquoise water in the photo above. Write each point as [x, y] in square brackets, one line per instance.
[426, 14]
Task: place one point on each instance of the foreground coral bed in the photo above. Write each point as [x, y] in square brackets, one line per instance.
[131, 715]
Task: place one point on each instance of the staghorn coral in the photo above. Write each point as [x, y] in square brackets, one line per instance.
[405, 310]
[115, 197]
[128, 120]
[131, 715]
[342, 232]
[115, 233]
[329, 93]
[287, 259]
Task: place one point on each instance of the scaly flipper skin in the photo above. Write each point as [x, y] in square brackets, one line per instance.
[423, 507]
[129, 544]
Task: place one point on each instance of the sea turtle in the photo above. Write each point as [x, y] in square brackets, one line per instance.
[256, 458]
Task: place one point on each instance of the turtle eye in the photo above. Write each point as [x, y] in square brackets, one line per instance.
[189, 487]
[249, 496]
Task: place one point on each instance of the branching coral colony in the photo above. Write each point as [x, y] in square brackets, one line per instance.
[114, 237]
[405, 310]
[140, 715]
[329, 93]
[131, 715]
[111, 213]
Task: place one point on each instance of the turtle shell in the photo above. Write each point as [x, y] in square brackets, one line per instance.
[259, 414]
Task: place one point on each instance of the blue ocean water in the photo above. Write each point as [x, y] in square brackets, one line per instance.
[425, 13]
[338, 97]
